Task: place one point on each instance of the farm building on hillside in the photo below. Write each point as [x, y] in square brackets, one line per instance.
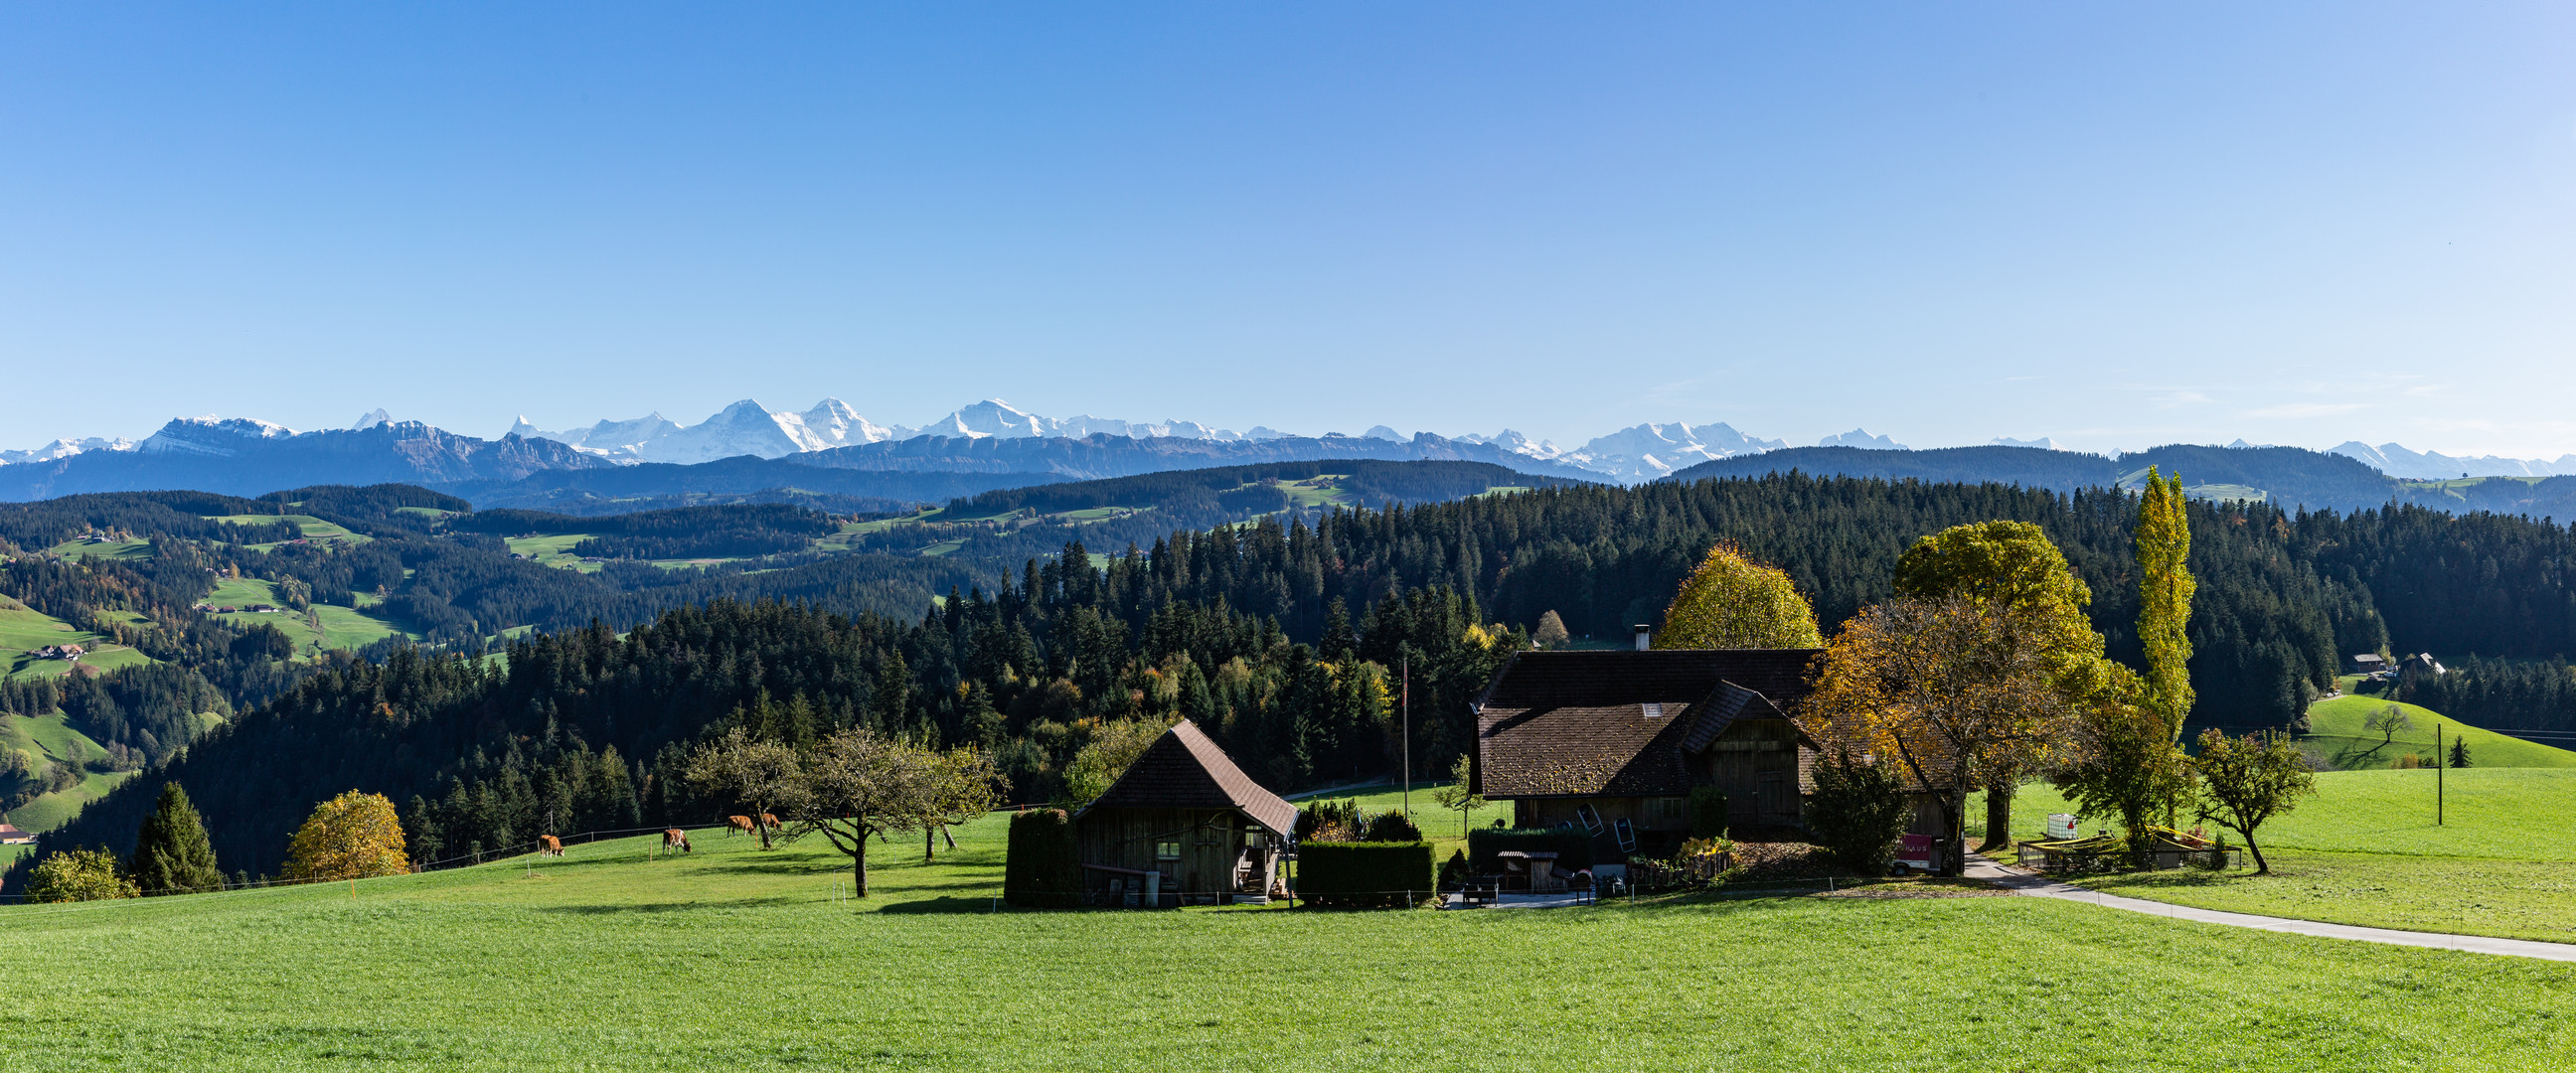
[11, 836]
[1182, 826]
[2369, 663]
[1613, 742]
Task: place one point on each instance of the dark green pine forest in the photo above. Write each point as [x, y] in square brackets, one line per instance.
[1287, 640]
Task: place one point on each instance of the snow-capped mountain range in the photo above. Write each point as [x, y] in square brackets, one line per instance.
[1637, 453]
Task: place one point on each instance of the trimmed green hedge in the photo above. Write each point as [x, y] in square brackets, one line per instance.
[1357, 874]
[1573, 849]
[1044, 869]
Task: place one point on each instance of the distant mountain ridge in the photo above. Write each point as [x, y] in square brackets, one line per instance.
[1642, 452]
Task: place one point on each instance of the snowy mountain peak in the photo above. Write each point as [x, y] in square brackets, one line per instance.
[375, 417]
[1861, 438]
[210, 435]
[2043, 443]
[2396, 461]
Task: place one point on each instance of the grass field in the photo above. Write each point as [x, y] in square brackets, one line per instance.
[2365, 850]
[22, 628]
[313, 528]
[734, 959]
[553, 551]
[341, 627]
[114, 549]
[2335, 735]
[49, 737]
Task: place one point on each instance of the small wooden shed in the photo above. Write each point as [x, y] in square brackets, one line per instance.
[1182, 826]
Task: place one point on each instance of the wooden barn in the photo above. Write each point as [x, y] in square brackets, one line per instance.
[1182, 826]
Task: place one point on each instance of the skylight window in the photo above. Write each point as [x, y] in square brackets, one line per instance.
[1654, 711]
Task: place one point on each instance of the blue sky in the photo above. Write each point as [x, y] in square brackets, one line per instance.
[2114, 225]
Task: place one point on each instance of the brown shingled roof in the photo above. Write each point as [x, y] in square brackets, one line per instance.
[1579, 723]
[1183, 769]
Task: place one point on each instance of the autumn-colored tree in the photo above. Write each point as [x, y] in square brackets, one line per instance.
[1952, 691]
[1460, 795]
[2127, 767]
[352, 836]
[78, 875]
[2245, 781]
[1097, 765]
[171, 853]
[863, 784]
[1550, 633]
[763, 777]
[2165, 588]
[1733, 602]
[2014, 565]
[2133, 765]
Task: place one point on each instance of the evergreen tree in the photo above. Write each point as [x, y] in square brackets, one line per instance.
[171, 853]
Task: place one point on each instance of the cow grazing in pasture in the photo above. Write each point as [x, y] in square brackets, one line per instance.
[737, 825]
[675, 838]
[549, 846]
[769, 821]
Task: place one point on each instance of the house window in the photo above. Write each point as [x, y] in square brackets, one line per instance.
[1167, 851]
[1672, 810]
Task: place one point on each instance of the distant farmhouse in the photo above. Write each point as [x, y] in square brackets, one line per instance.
[2369, 663]
[1613, 742]
[11, 836]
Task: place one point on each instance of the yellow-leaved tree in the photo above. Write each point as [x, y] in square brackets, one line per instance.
[1733, 602]
[352, 836]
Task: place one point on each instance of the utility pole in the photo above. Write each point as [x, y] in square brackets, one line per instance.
[2439, 762]
[1407, 705]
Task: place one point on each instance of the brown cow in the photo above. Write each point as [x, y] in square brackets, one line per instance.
[675, 838]
[769, 821]
[737, 825]
[549, 846]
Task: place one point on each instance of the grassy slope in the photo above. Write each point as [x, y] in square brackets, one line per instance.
[22, 628]
[342, 627]
[2335, 733]
[734, 959]
[51, 737]
[2365, 850]
[118, 549]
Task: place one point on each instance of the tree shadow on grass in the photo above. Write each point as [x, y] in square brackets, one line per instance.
[945, 904]
[673, 907]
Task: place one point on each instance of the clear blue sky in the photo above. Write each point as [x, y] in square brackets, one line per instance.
[2115, 225]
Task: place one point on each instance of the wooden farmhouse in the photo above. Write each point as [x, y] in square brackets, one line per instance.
[1182, 826]
[1613, 742]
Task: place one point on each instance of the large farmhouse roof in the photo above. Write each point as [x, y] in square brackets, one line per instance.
[1623, 723]
[1183, 769]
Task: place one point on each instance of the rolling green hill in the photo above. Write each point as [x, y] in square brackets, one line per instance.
[22, 628]
[339, 627]
[2336, 736]
[736, 959]
[50, 738]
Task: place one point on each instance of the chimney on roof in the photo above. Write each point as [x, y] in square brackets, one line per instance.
[1645, 635]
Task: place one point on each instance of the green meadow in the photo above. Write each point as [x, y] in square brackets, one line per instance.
[340, 627]
[736, 959]
[50, 737]
[2336, 736]
[2365, 849]
[23, 628]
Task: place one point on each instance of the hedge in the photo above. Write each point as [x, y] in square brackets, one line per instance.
[1356, 874]
[1044, 869]
[1573, 848]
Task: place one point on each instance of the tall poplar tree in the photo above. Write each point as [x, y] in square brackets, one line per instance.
[2165, 588]
[171, 853]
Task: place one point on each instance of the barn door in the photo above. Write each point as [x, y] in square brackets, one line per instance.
[1778, 804]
